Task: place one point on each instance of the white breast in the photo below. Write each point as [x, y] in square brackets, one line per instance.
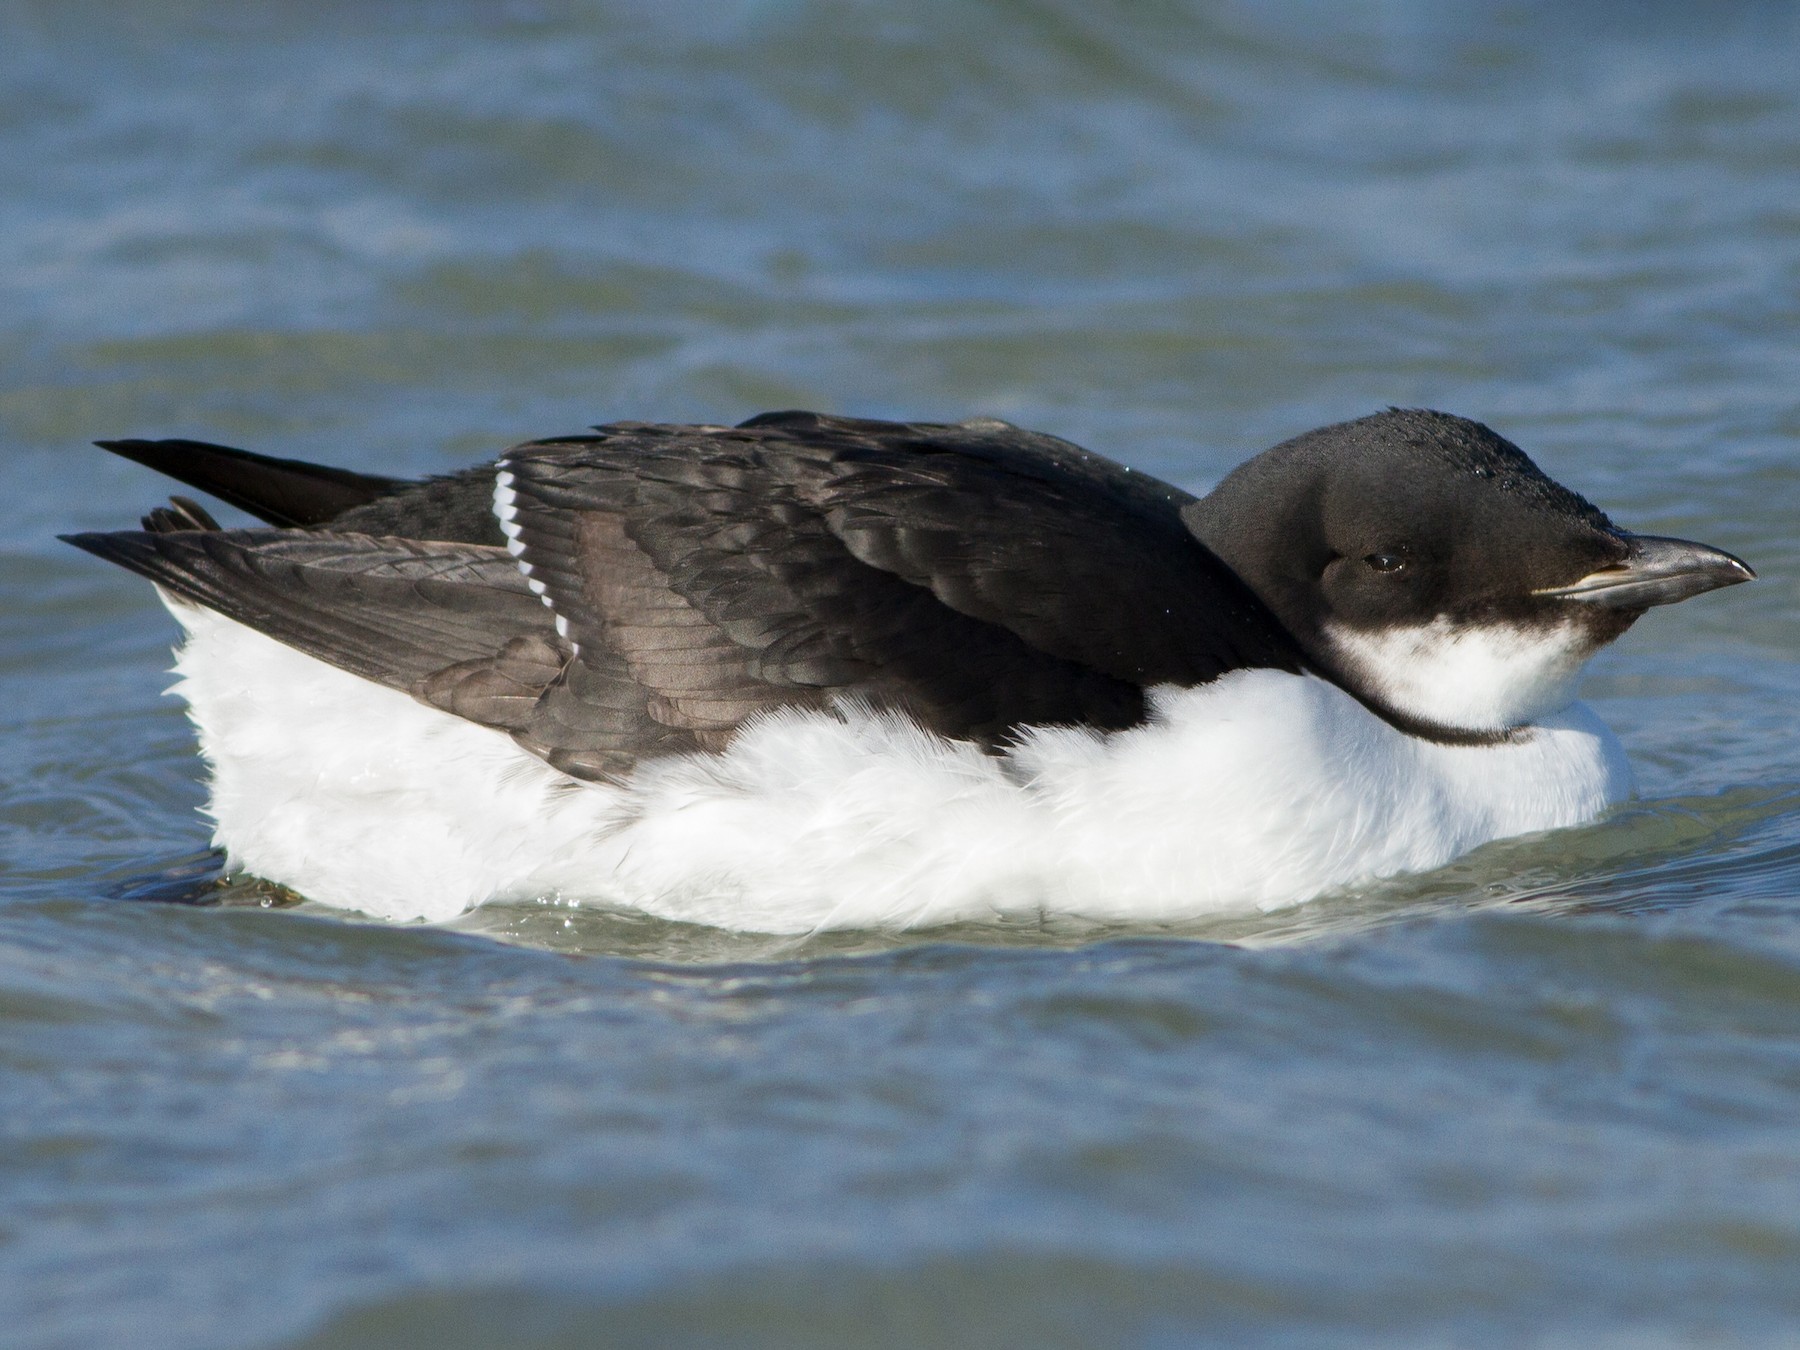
[1480, 677]
[1259, 790]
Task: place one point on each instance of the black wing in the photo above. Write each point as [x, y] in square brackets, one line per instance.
[280, 491]
[454, 625]
[290, 492]
[976, 576]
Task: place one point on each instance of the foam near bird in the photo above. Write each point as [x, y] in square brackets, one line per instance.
[815, 671]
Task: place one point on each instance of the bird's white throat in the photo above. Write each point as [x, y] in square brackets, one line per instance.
[1259, 790]
[1471, 677]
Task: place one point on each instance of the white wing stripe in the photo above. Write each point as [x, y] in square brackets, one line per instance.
[506, 511]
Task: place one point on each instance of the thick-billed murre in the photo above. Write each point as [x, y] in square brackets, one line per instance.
[821, 672]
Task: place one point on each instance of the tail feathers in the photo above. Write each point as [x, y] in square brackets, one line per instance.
[182, 513]
[285, 492]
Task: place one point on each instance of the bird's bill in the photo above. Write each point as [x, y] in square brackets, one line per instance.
[1657, 571]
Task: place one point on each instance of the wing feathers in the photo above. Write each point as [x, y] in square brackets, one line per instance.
[718, 576]
[976, 576]
[455, 625]
[390, 610]
[280, 491]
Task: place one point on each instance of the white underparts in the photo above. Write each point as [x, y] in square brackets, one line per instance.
[1485, 677]
[1256, 791]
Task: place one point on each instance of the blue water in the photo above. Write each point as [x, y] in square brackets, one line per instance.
[1549, 1096]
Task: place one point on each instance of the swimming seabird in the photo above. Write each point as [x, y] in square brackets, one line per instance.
[816, 671]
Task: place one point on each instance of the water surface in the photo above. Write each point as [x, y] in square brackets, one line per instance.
[1547, 1096]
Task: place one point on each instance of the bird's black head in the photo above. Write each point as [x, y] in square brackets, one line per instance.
[1431, 568]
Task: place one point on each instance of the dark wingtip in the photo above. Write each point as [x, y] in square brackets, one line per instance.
[113, 545]
[147, 553]
[283, 492]
[781, 417]
[168, 559]
[140, 449]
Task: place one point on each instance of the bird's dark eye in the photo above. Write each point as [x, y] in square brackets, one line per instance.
[1385, 562]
